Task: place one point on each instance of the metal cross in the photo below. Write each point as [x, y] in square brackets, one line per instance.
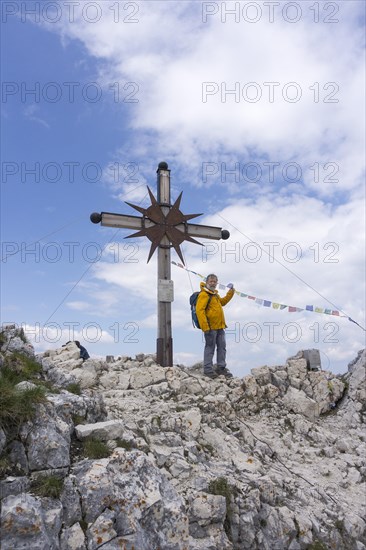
[166, 227]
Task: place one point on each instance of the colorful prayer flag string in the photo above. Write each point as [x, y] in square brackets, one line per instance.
[276, 305]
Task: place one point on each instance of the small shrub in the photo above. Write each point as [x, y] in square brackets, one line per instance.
[317, 545]
[94, 448]
[220, 486]
[263, 522]
[50, 486]
[74, 387]
[124, 444]
[49, 386]
[339, 525]
[4, 465]
[77, 419]
[208, 448]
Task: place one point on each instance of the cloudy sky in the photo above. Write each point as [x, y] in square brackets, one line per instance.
[258, 109]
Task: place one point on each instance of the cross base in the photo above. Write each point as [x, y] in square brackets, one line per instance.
[164, 352]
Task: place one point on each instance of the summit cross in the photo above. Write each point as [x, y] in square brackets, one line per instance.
[166, 227]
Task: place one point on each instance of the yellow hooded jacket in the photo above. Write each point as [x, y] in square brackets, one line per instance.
[213, 317]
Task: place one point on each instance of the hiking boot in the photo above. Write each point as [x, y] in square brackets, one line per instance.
[225, 372]
[211, 375]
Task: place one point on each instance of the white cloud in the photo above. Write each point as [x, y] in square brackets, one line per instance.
[170, 65]
[137, 278]
[30, 113]
[78, 305]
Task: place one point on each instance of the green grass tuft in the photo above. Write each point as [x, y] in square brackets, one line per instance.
[220, 486]
[50, 486]
[317, 545]
[124, 444]
[18, 406]
[339, 525]
[94, 448]
[5, 465]
[77, 419]
[18, 367]
[74, 388]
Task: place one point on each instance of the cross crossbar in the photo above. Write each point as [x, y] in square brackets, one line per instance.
[136, 222]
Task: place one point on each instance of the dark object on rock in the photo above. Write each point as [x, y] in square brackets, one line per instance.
[83, 352]
[313, 360]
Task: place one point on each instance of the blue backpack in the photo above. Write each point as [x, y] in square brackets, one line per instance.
[193, 302]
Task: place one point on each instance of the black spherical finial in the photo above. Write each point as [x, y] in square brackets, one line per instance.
[96, 217]
[225, 234]
[163, 166]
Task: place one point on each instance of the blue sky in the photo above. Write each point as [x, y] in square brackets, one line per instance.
[259, 113]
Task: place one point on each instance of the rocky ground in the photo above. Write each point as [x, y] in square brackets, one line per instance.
[275, 460]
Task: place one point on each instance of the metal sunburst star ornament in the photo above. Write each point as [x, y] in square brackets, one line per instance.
[172, 225]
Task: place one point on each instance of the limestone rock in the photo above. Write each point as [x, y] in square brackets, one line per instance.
[206, 509]
[25, 523]
[141, 378]
[262, 375]
[70, 499]
[297, 401]
[14, 486]
[73, 538]
[15, 341]
[48, 442]
[354, 407]
[110, 429]
[141, 502]
[283, 450]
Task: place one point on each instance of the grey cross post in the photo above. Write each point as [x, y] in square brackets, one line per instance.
[164, 342]
[166, 227]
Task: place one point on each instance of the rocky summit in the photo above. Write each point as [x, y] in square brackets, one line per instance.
[127, 455]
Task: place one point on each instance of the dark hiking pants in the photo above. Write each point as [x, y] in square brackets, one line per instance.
[215, 339]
